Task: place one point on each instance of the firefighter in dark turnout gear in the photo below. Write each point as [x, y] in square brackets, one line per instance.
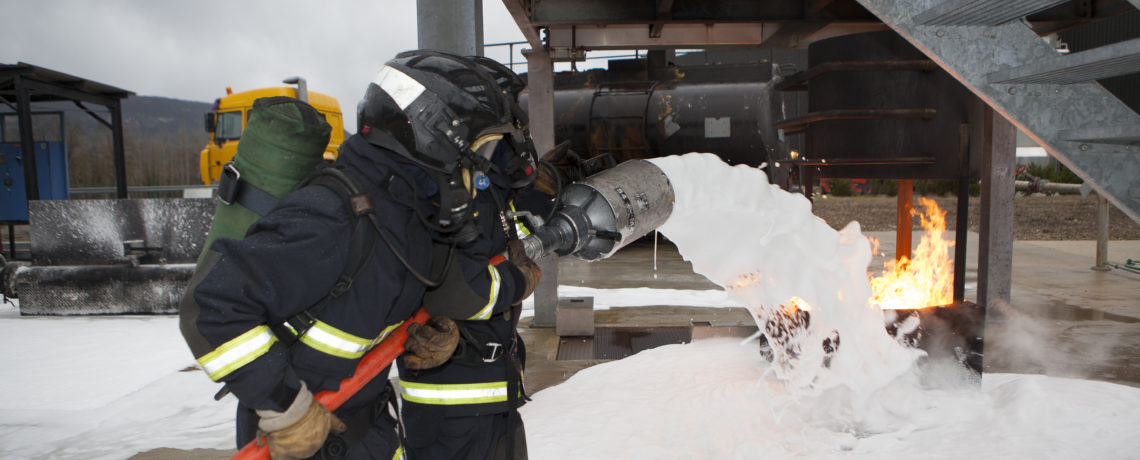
[441, 150]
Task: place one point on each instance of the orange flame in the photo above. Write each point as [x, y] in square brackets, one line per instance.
[926, 279]
[795, 304]
[746, 280]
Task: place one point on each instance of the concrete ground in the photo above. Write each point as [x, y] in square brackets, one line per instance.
[1064, 318]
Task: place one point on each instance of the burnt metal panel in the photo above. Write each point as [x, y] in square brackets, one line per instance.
[109, 232]
[100, 289]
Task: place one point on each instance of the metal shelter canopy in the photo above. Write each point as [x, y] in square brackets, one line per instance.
[22, 84]
[573, 27]
[566, 29]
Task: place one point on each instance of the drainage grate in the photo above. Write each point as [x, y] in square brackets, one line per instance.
[620, 342]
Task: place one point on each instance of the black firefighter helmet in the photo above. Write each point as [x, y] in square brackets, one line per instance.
[448, 114]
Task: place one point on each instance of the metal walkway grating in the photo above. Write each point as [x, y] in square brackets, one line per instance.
[1108, 61]
[981, 12]
[620, 342]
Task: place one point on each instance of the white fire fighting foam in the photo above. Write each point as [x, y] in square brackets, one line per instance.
[766, 247]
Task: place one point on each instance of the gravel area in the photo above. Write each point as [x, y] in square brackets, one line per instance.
[1058, 217]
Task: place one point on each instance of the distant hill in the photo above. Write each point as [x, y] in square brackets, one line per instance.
[147, 113]
[161, 113]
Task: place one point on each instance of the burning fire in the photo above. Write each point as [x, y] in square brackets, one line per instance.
[794, 304]
[924, 280]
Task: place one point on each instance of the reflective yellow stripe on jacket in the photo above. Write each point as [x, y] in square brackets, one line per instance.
[454, 394]
[330, 340]
[485, 312]
[237, 352]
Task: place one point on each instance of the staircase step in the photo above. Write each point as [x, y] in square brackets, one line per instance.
[1106, 160]
[981, 12]
[1121, 58]
[1114, 134]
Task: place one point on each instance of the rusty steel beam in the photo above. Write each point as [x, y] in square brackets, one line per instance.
[637, 36]
[799, 80]
[854, 114]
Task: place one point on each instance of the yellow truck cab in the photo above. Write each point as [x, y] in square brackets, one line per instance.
[230, 113]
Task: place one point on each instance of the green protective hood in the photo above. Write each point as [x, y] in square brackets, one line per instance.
[283, 141]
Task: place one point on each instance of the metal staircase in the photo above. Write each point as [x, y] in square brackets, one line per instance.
[1052, 97]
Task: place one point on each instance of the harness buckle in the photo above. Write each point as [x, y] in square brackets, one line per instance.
[495, 351]
[228, 184]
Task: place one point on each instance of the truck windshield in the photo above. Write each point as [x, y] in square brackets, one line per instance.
[229, 126]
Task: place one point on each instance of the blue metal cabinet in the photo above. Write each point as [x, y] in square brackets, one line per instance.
[51, 172]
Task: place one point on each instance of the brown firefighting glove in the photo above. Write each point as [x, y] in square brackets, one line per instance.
[517, 255]
[547, 180]
[300, 431]
[430, 344]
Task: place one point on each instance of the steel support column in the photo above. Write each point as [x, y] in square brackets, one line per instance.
[451, 26]
[118, 149]
[995, 242]
[27, 142]
[540, 84]
[1102, 210]
[962, 217]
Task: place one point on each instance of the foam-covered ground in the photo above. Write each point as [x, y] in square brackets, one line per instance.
[710, 399]
[108, 388]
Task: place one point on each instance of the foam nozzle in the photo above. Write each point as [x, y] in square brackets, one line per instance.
[605, 212]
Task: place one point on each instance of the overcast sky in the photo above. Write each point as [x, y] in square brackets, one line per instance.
[194, 49]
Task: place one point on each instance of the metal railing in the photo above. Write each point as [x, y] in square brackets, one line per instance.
[511, 63]
[149, 190]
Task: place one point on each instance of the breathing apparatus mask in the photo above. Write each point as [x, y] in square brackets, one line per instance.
[447, 115]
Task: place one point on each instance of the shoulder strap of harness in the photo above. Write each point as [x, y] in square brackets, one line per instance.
[361, 245]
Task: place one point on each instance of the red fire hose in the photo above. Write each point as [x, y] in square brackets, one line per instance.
[370, 365]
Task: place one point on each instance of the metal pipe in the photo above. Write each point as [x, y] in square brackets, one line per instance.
[905, 222]
[1045, 186]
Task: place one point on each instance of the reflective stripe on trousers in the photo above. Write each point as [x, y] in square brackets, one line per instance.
[454, 394]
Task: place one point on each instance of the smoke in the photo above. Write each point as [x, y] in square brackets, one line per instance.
[1078, 346]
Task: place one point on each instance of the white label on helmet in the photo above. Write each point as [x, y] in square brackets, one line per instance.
[403, 89]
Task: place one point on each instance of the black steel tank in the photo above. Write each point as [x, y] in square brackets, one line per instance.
[878, 108]
[646, 119]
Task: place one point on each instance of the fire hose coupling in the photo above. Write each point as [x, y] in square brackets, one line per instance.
[605, 212]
